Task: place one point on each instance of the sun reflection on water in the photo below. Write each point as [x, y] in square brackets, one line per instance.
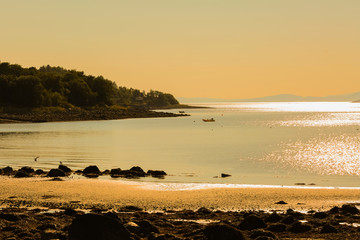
[339, 155]
[324, 119]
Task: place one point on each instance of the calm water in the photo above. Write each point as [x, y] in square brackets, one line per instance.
[257, 143]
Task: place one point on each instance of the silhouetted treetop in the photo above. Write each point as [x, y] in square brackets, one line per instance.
[56, 86]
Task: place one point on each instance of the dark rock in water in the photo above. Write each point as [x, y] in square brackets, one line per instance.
[146, 227]
[224, 175]
[29, 170]
[262, 233]
[288, 220]
[279, 227]
[300, 184]
[106, 172]
[95, 227]
[91, 170]
[220, 231]
[9, 217]
[274, 217]
[156, 173]
[1, 172]
[252, 222]
[327, 228]
[138, 170]
[335, 210]
[320, 215]
[39, 172]
[80, 172]
[281, 202]
[65, 169]
[115, 172]
[21, 174]
[300, 227]
[350, 208]
[7, 170]
[55, 172]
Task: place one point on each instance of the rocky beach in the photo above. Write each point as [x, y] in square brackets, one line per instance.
[47, 206]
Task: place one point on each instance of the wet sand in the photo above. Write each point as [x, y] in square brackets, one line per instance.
[114, 194]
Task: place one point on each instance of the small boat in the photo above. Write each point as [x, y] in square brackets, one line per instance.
[209, 120]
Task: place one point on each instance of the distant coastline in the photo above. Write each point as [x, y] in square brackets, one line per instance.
[351, 97]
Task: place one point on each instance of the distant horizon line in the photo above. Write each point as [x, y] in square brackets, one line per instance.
[347, 97]
[280, 94]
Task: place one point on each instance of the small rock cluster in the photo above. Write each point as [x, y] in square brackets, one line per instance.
[90, 172]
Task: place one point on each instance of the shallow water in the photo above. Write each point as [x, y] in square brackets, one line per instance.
[257, 143]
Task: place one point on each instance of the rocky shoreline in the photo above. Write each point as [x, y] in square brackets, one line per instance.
[29, 219]
[132, 222]
[77, 114]
[90, 172]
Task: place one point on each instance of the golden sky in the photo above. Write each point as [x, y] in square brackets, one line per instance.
[193, 48]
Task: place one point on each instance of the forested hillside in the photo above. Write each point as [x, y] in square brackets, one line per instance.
[56, 86]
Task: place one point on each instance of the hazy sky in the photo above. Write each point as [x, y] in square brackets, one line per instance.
[193, 48]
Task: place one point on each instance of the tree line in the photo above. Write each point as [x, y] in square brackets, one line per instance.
[56, 86]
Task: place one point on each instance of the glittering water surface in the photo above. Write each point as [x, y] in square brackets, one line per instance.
[316, 144]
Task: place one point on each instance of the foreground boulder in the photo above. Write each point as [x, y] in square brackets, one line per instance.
[222, 232]
[146, 227]
[300, 227]
[262, 234]
[327, 228]
[350, 208]
[55, 172]
[274, 217]
[95, 227]
[252, 222]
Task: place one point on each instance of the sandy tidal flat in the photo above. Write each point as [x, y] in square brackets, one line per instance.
[84, 193]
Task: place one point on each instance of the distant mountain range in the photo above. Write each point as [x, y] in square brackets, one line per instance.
[351, 97]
